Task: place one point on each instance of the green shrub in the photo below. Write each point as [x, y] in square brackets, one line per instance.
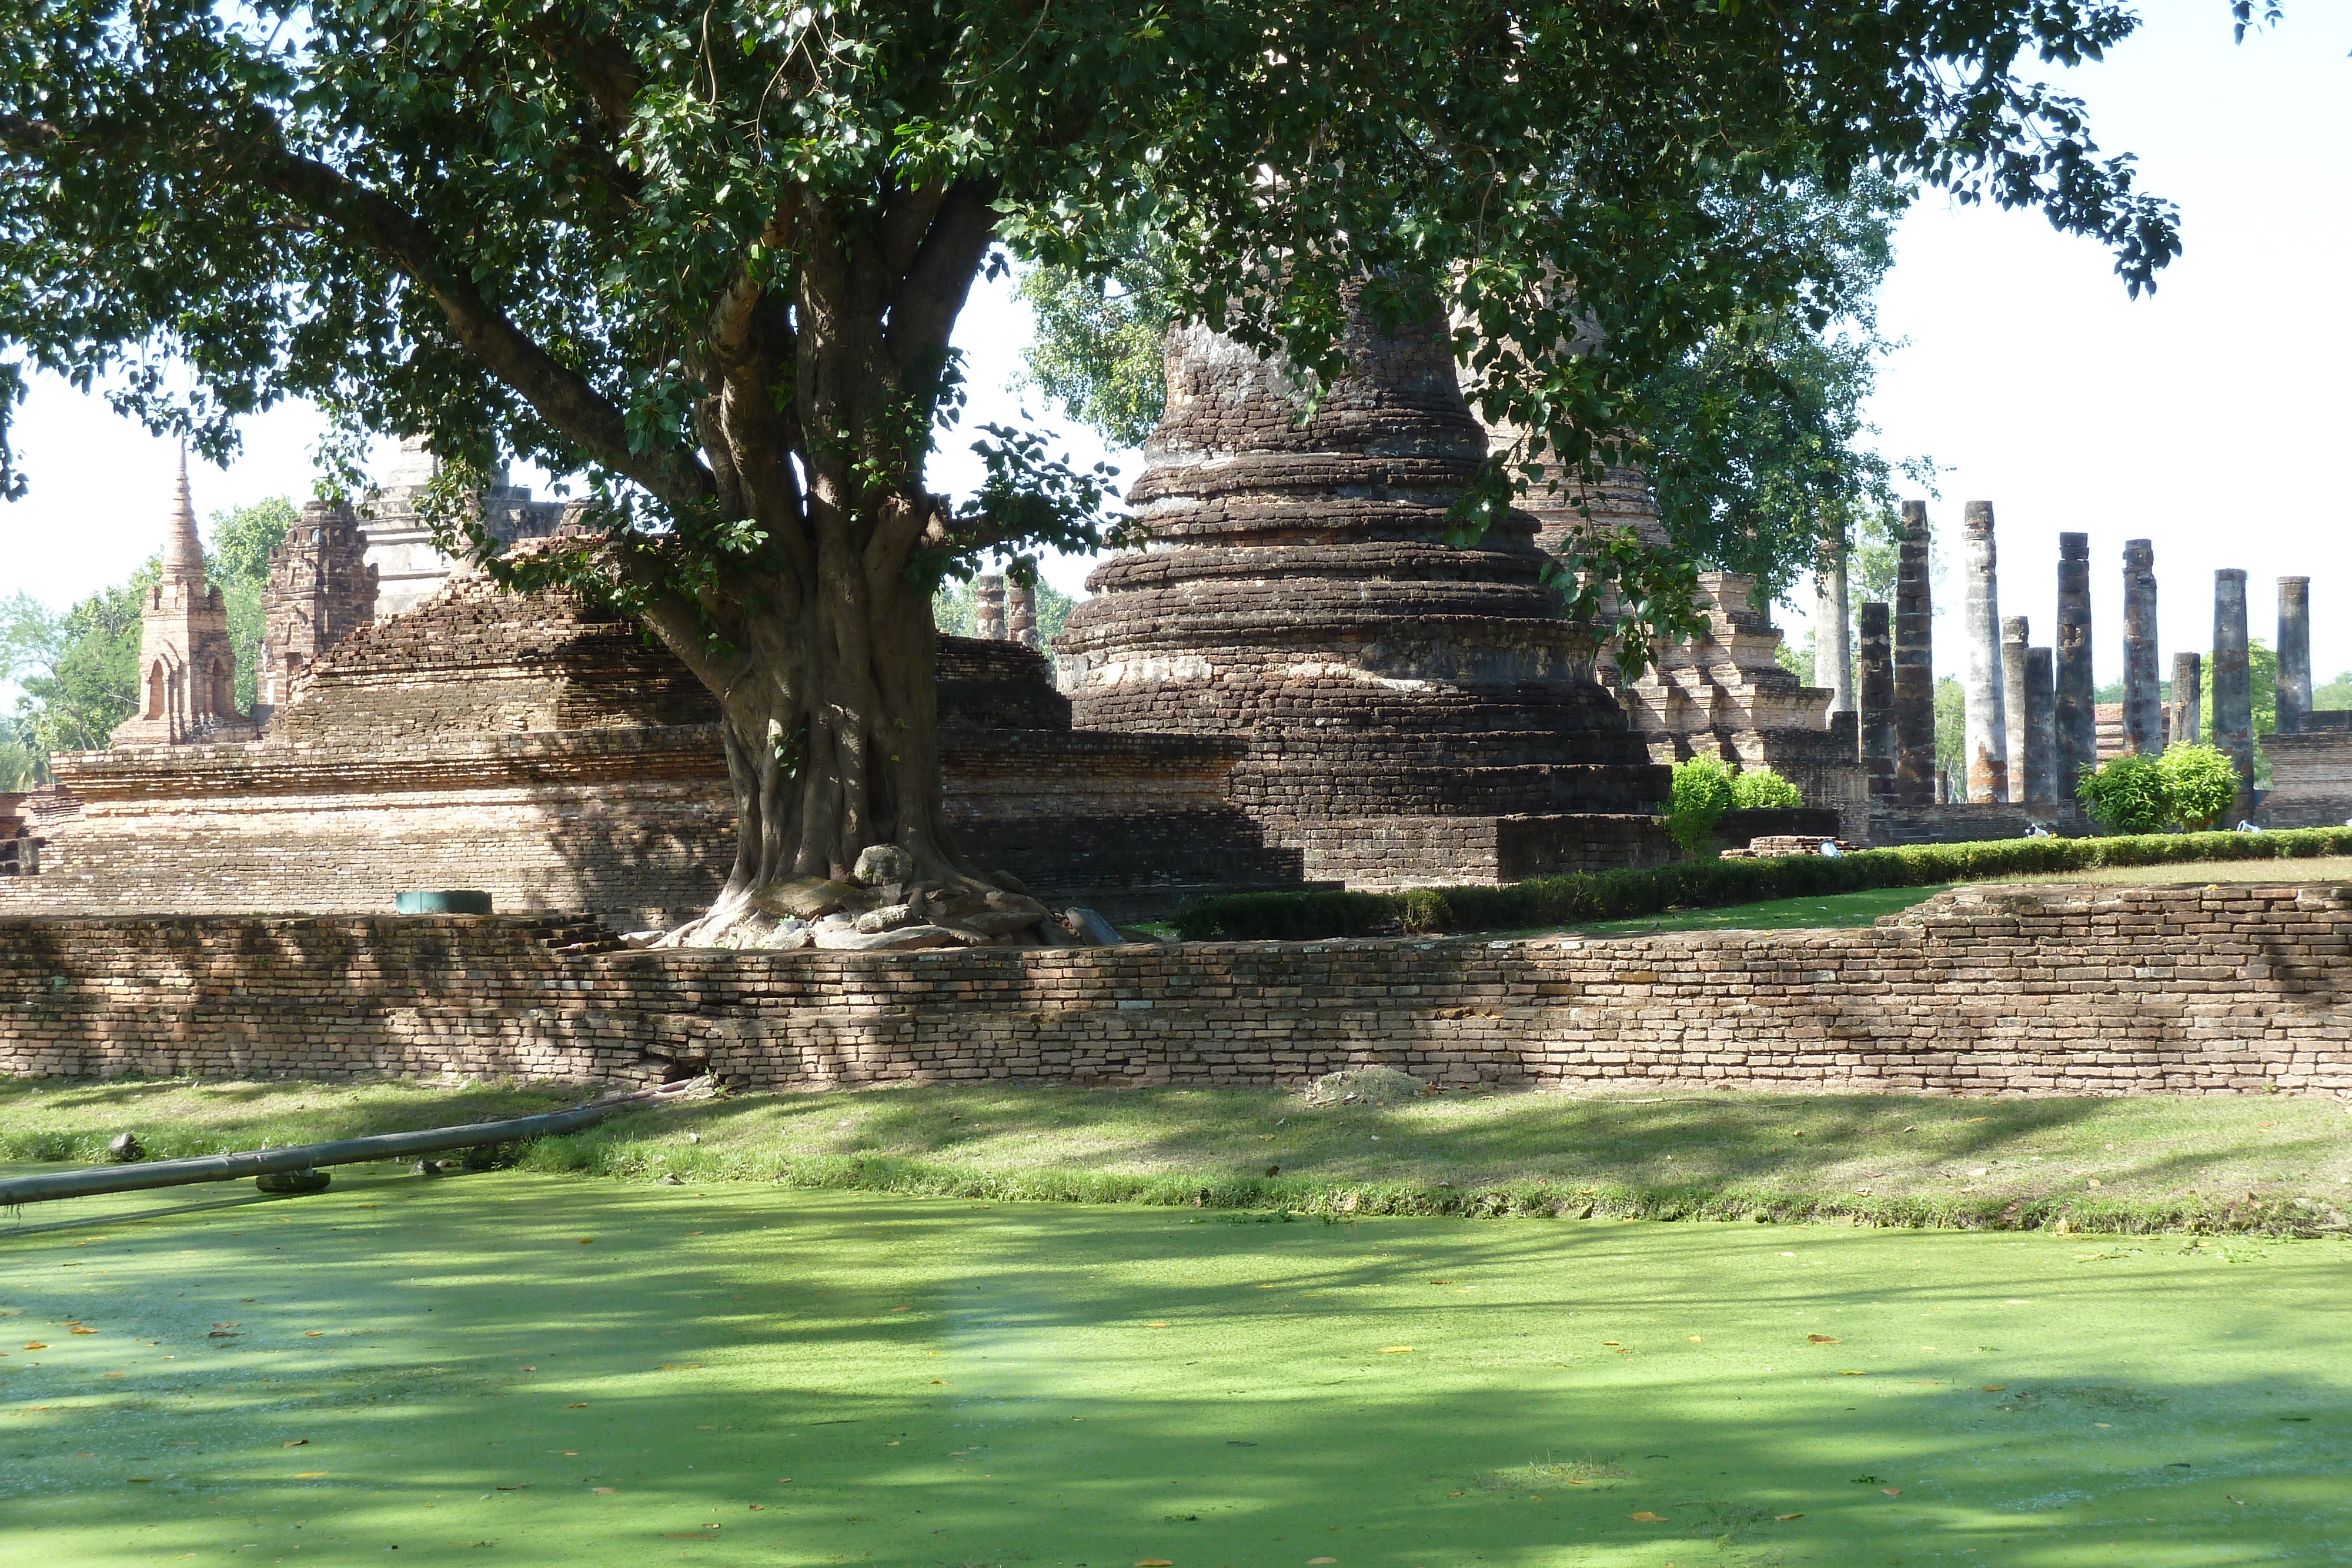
[1422, 909]
[1702, 794]
[2126, 795]
[2201, 784]
[1586, 898]
[1761, 790]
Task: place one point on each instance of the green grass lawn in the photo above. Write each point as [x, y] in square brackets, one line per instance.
[513, 1368]
[1864, 907]
[2277, 1162]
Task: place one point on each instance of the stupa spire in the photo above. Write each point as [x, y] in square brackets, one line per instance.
[183, 552]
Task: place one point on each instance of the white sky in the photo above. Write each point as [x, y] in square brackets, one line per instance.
[2207, 418]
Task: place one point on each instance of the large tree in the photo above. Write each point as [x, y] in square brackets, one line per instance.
[709, 255]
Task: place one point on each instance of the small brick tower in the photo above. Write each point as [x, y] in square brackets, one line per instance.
[187, 666]
[321, 587]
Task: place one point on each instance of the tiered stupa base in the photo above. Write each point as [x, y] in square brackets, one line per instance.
[1413, 713]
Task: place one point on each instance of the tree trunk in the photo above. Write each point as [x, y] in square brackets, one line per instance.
[798, 586]
[832, 737]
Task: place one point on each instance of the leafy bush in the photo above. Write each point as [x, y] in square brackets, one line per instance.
[1761, 790]
[1583, 899]
[1702, 794]
[2201, 784]
[2126, 795]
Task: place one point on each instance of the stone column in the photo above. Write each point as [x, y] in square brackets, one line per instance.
[988, 607]
[1914, 664]
[2293, 652]
[2233, 686]
[2013, 636]
[2143, 700]
[1875, 697]
[1985, 752]
[2188, 699]
[1832, 637]
[1021, 614]
[2040, 728]
[2078, 718]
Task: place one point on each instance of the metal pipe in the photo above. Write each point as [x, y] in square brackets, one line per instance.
[310, 1157]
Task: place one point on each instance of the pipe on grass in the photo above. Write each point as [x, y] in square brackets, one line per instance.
[15, 1190]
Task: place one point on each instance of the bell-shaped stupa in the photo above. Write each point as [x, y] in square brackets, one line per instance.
[1416, 711]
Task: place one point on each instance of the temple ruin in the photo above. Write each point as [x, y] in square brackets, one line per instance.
[409, 565]
[1411, 711]
[1723, 694]
[1298, 676]
[187, 666]
[321, 588]
[543, 750]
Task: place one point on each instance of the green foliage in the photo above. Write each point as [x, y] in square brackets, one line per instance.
[1762, 790]
[79, 671]
[238, 564]
[1586, 899]
[1098, 341]
[22, 764]
[2201, 784]
[2126, 795]
[2192, 787]
[1951, 729]
[2335, 696]
[1703, 792]
[1753, 439]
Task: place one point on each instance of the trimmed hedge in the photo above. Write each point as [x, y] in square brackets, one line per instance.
[1585, 898]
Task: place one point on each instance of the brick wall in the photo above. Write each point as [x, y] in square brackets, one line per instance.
[1995, 990]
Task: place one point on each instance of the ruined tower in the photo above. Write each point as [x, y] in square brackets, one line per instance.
[2233, 687]
[1914, 664]
[2143, 698]
[409, 565]
[1985, 751]
[2077, 719]
[187, 666]
[1415, 711]
[1875, 700]
[320, 590]
[2294, 688]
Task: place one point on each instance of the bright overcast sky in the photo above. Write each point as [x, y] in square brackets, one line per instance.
[2203, 418]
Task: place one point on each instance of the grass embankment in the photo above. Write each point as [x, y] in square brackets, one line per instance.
[1845, 909]
[2270, 1163]
[1599, 898]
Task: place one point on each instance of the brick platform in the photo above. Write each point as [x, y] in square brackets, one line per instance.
[2016, 990]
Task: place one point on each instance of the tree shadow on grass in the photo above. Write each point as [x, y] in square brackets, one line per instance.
[950, 1383]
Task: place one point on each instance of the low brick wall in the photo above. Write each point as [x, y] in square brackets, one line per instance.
[2018, 990]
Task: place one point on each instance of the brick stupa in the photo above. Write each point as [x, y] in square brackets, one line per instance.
[187, 666]
[320, 590]
[1414, 712]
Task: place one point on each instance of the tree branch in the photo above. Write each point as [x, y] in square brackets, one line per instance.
[560, 394]
[924, 310]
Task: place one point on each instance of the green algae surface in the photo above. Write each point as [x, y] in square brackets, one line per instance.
[522, 1369]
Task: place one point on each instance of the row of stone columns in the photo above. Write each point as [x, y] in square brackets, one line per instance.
[2032, 727]
[1005, 610]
